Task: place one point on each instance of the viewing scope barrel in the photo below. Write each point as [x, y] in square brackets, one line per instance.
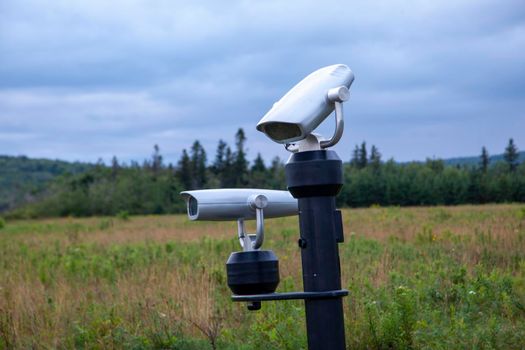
[307, 104]
[238, 203]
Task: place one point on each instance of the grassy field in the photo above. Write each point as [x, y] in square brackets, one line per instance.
[419, 278]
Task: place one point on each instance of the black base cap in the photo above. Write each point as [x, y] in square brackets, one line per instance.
[253, 272]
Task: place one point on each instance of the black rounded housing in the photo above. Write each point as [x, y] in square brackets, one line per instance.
[314, 173]
[253, 272]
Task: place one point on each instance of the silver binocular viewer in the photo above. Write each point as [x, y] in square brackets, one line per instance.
[251, 271]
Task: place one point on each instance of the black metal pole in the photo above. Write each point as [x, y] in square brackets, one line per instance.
[315, 178]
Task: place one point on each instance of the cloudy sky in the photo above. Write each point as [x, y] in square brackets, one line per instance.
[81, 80]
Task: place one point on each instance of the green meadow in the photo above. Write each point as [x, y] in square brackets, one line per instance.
[419, 278]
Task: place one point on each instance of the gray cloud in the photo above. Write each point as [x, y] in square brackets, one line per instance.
[88, 79]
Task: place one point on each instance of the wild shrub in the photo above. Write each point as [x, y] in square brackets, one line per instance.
[279, 325]
[392, 322]
[123, 215]
[521, 213]
[426, 235]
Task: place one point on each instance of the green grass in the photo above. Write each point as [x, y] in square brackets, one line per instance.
[419, 278]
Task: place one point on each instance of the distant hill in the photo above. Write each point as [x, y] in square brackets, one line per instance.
[476, 159]
[21, 177]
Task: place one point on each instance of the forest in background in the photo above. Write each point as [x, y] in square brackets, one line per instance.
[22, 179]
[153, 187]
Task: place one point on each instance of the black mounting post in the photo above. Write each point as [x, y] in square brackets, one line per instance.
[315, 178]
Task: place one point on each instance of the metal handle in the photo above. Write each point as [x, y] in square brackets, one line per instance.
[253, 241]
[337, 95]
[339, 127]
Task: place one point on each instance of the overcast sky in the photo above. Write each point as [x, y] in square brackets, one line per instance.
[81, 80]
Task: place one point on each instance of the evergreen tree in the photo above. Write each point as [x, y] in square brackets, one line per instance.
[375, 157]
[258, 164]
[219, 163]
[241, 164]
[227, 176]
[184, 171]
[198, 165]
[484, 160]
[258, 174]
[363, 158]
[202, 169]
[115, 166]
[355, 157]
[276, 176]
[511, 155]
[156, 160]
[172, 190]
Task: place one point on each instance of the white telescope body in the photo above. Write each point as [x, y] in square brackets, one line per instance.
[307, 104]
[237, 204]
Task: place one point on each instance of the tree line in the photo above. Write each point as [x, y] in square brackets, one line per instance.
[153, 187]
[369, 181]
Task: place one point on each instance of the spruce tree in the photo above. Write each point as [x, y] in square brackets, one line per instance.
[219, 163]
[511, 155]
[184, 171]
[363, 158]
[355, 157]
[375, 157]
[241, 164]
[258, 164]
[198, 165]
[227, 175]
[276, 174]
[115, 167]
[201, 168]
[258, 173]
[484, 160]
[156, 160]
